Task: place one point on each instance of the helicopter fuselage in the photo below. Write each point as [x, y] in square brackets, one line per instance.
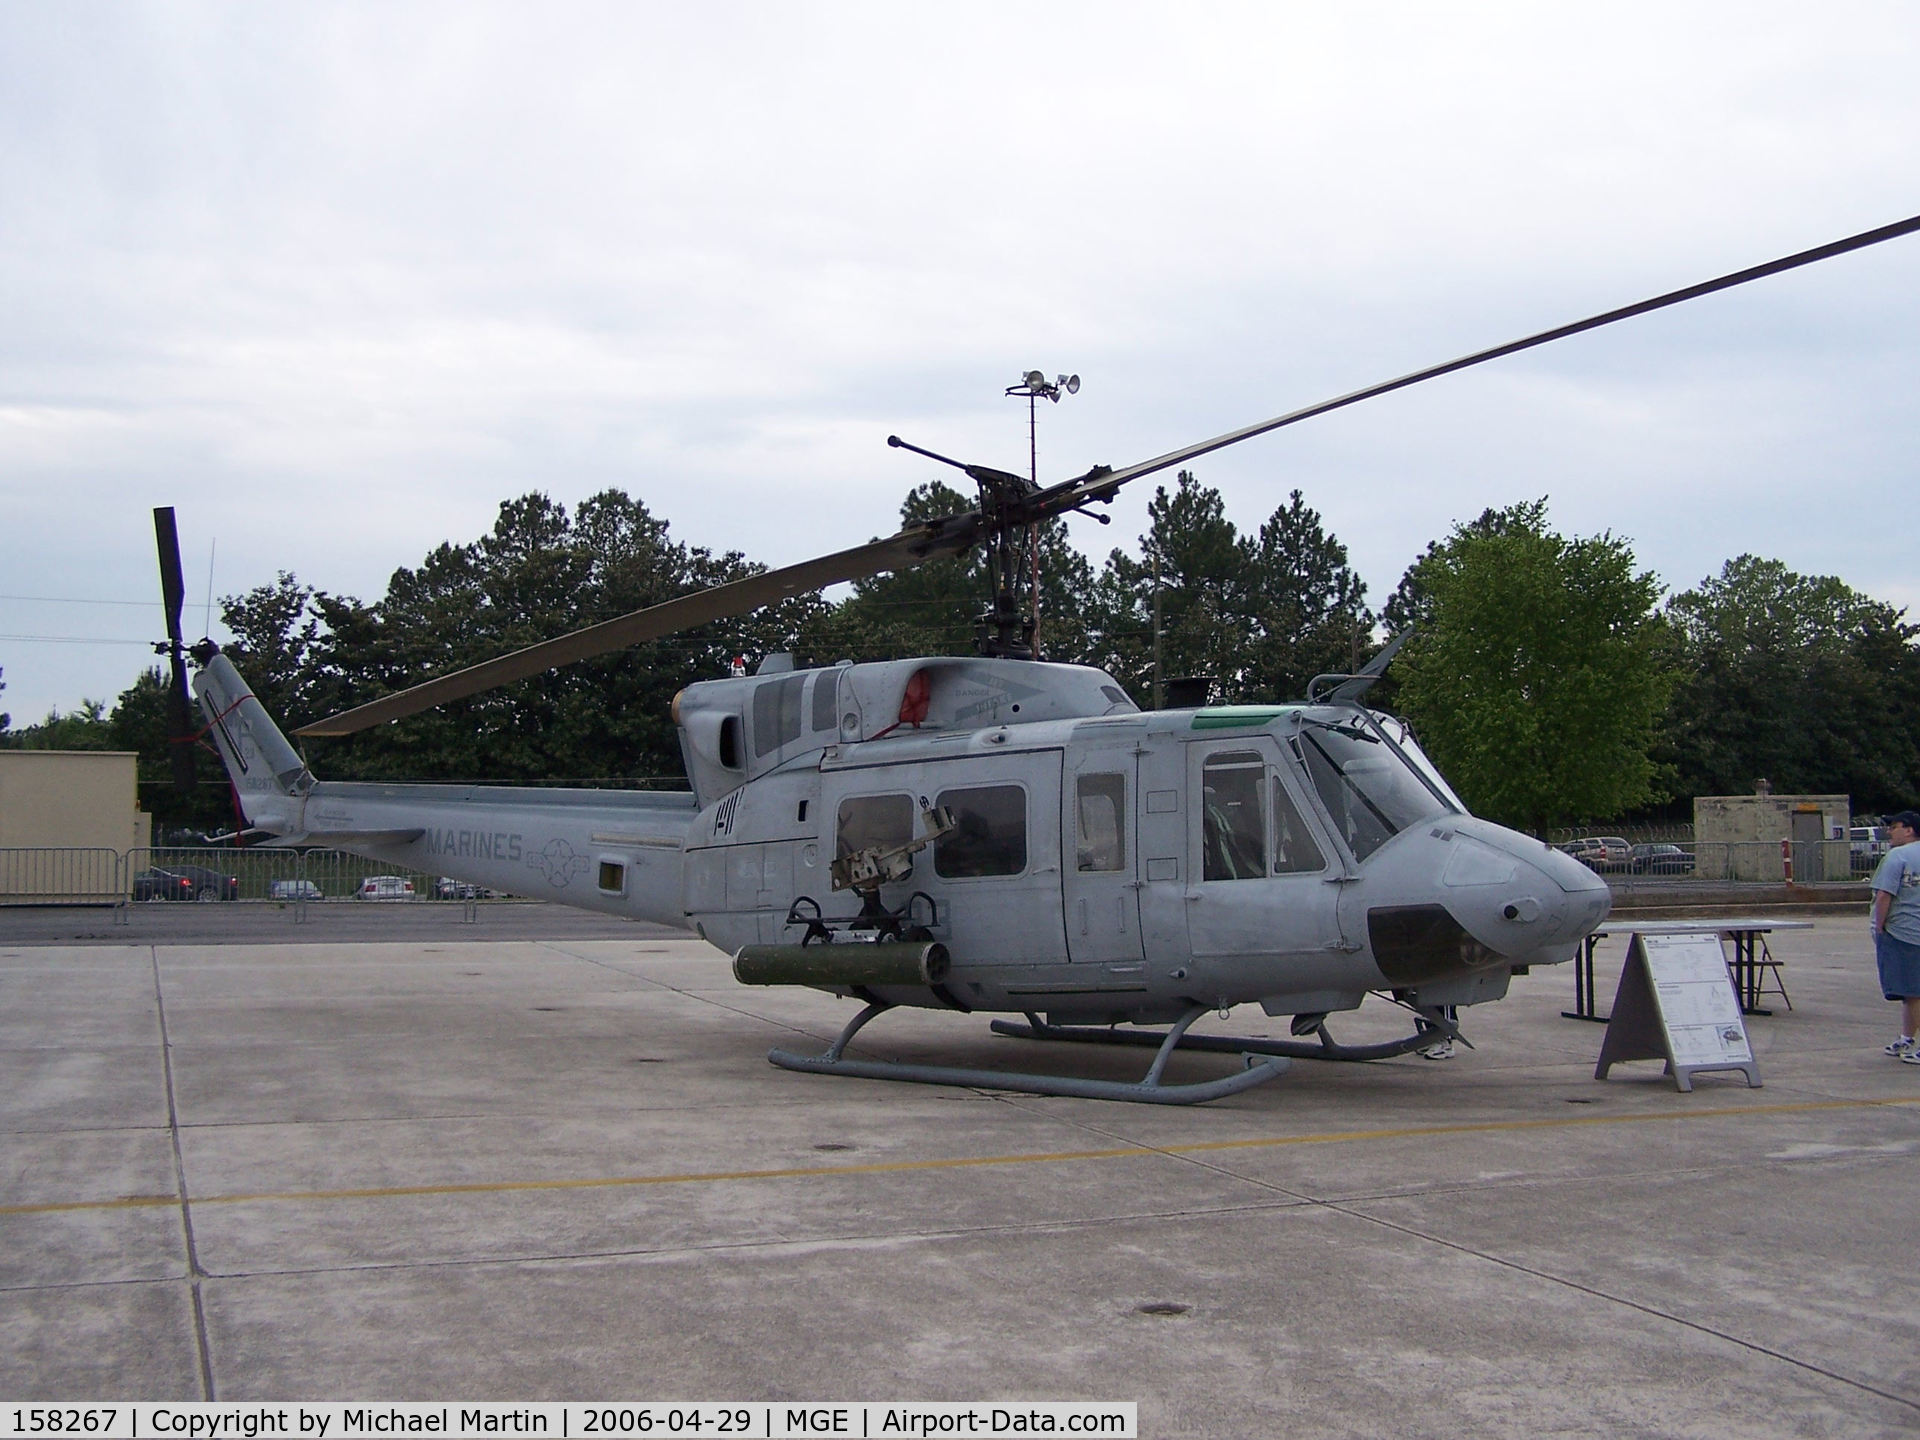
[1100, 867]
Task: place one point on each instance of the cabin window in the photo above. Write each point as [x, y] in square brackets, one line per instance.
[867, 821]
[1233, 816]
[1103, 822]
[776, 713]
[730, 742]
[826, 694]
[613, 877]
[990, 837]
[1294, 851]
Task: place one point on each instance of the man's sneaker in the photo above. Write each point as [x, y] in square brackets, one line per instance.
[1912, 1057]
[1443, 1050]
[1902, 1047]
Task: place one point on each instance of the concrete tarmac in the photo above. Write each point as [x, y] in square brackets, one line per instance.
[459, 1167]
[252, 922]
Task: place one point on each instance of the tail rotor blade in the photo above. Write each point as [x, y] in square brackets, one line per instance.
[173, 594]
[173, 586]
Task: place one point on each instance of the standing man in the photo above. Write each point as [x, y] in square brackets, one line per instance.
[1896, 928]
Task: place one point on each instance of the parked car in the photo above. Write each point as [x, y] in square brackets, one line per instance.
[158, 884]
[293, 890]
[1661, 860]
[210, 884]
[384, 887]
[1601, 852]
[448, 888]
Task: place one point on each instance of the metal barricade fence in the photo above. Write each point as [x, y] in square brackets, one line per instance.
[289, 876]
[1760, 862]
[38, 875]
[66, 876]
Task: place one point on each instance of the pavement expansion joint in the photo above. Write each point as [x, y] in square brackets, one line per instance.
[202, 1347]
[780, 1245]
[1653, 1311]
[1124, 1150]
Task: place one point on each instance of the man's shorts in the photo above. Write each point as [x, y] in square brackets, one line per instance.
[1899, 967]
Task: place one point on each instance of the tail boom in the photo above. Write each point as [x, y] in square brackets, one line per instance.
[610, 850]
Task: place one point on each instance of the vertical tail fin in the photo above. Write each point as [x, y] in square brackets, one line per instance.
[265, 770]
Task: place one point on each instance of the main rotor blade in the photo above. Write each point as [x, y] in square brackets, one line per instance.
[173, 586]
[909, 547]
[1072, 493]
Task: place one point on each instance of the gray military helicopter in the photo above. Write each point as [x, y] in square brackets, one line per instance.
[997, 832]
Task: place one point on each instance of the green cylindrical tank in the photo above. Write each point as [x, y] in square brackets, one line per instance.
[920, 962]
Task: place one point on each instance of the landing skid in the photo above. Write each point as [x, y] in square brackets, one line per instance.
[1433, 1028]
[1148, 1091]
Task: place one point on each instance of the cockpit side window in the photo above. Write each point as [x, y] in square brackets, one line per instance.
[1234, 816]
[1294, 850]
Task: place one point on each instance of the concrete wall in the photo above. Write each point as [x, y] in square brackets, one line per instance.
[81, 802]
[1745, 831]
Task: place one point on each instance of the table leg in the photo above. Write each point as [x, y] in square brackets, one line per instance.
[1746, 972]
[1583, 996]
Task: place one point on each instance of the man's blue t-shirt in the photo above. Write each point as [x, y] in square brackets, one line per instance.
[1899, 876]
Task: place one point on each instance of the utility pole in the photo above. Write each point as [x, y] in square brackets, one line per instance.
[1159, 691]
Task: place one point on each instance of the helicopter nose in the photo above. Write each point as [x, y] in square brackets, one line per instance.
[1520, 896]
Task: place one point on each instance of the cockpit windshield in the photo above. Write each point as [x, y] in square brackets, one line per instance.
[1401, 734]
[1371, 790]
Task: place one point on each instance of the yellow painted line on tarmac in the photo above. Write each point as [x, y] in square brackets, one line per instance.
[957, 1162]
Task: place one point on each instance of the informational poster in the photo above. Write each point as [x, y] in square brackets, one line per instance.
[1677, 1003]
[1698, 1007]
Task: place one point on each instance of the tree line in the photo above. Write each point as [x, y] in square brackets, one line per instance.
[1550, 676]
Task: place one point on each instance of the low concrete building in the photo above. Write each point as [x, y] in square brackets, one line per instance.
[67, 817]
[1739, 837]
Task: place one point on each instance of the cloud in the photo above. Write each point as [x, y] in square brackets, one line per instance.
[337, 281]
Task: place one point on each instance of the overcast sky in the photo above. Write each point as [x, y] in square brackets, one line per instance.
[336, 280]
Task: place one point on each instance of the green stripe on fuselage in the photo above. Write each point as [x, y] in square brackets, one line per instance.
[1238, 717]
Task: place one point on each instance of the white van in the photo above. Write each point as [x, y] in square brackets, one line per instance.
[384, 887]
[1868, 845]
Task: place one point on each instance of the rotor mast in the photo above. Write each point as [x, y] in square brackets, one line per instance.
[1033, 387]
[1001, 631]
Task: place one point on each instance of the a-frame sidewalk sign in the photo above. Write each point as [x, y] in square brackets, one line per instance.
[1676, 1002]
